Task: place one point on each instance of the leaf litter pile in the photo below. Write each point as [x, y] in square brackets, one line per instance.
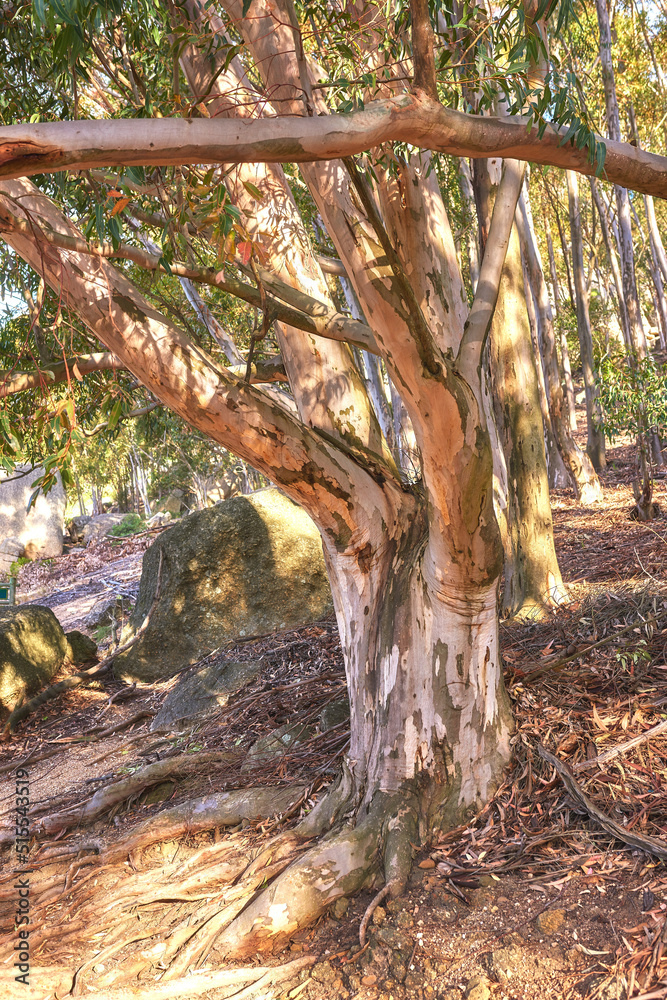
[557, 888]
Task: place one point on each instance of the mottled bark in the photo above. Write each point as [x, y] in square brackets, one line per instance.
[26, 150]
[595, 446]
[532, 576]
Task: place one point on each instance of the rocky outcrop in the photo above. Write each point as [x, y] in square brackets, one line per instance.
[39, 530]
[33, 647]
[248, 566]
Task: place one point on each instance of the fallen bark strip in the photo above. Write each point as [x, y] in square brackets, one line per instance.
[658, 848]
[622, 747]
[201, 982]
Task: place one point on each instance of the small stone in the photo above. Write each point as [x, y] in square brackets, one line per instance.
[340, 908]
[427, 863]
[487, 882]
[379, 916]
[477, 988]
[550, 922]
[369, 980]
[404, 920]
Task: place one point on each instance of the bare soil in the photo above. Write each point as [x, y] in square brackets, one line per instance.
[532, 898]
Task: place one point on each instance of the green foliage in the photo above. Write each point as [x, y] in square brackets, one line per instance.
[16, 565]
[130, 525]
[633, 396]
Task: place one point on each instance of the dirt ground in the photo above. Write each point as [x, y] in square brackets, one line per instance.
[534, 898]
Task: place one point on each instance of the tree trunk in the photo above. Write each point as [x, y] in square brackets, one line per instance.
[425, 702]
[595, 446]
[557, 472]
[630, 295]
[532, 576]
[586, 483]
[613, 260]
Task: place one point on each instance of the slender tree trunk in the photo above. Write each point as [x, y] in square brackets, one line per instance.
[658, 266]
[630, 295]
[558, 476]
[613, 260]
[595, 446]
[566, 368]
[532, 576]
[586, 483]
[467, 191]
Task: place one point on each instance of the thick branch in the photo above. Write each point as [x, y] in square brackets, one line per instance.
[47, 147]
[60, 371]
[486, 294]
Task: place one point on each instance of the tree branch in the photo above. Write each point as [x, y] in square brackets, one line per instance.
[60, 371]
[52, 146]
[477, 326]
[422, 49]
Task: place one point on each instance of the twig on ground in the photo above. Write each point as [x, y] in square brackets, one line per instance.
[622, 747]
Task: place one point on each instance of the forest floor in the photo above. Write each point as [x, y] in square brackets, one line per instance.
[534, 898]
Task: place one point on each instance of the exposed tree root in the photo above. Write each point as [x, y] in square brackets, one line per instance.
[348, 859]
[197, 815]
[258, 977]
[104, 799]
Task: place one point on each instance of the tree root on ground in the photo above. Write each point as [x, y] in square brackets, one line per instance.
[219, 900]
[254, 978]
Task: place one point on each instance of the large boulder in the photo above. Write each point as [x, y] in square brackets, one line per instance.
[39, 530]
[11, 549]
[32, 649]
[248, 566]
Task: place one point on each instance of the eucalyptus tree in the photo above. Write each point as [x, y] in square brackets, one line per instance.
[360, 99]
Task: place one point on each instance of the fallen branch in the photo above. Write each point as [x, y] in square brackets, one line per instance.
[658, 848]
[622, 747]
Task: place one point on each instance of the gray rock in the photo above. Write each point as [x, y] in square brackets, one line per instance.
[277, 743]
[171, 504]
[248, 566]
[99, 526]
[157, 520]
[80, 648]
[76, 526]
[40, 530]
[204, 692]
[13, 547]
[32, 649]
[333, 714]
[104, 611]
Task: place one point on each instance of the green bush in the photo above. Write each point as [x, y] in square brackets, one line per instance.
[130, 525]
[16, 565]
